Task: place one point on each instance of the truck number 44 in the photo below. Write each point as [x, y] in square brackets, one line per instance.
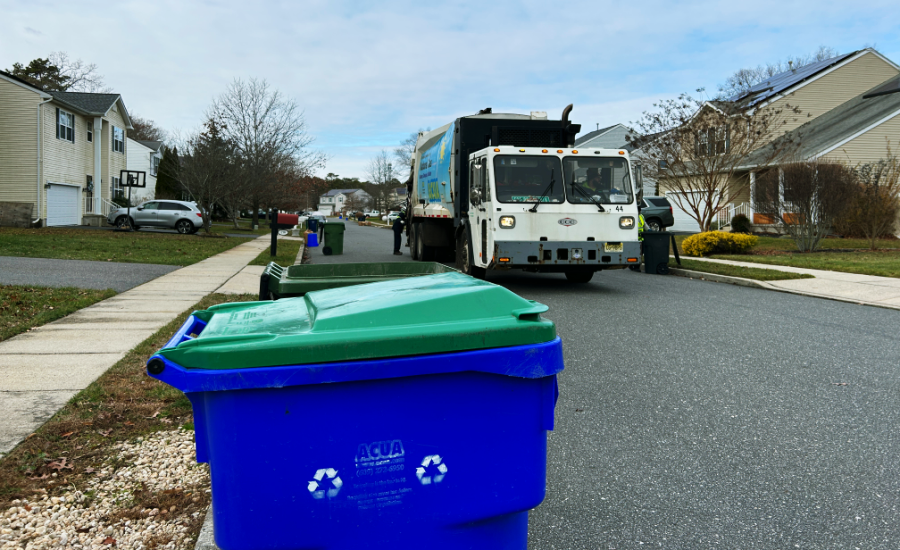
[619, 209]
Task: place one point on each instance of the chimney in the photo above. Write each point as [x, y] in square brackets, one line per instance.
[790, 65]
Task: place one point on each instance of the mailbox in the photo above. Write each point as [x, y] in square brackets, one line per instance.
[287, 220]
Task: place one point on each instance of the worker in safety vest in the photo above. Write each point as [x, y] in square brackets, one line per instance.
[640, 238]
[398, 231]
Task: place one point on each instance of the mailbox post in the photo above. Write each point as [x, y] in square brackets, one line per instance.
[277, 223]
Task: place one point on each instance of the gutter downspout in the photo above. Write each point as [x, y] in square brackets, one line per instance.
[40, 160]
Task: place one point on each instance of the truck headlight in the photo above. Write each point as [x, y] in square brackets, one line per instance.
[626, 222]
[507, 222]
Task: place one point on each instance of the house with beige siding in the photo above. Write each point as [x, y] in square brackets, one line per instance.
[61, 153]
[848, 113]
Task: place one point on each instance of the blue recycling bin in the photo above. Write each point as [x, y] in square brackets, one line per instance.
[312, 240]
[324, 430]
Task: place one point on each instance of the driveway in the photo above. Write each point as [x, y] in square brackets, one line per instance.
[78, 273]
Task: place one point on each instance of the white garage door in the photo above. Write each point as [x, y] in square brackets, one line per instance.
[63, 206]
[683, 220]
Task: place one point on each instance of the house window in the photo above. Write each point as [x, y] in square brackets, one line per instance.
[90, 132]
[713, 141]
[65, 125]
[117, 190]
[118, 140]
[154, 165]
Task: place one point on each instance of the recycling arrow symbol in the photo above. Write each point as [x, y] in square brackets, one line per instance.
[431, 463]
[318, 488]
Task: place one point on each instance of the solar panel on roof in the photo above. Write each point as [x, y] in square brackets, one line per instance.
[776, 84]
[889, 87]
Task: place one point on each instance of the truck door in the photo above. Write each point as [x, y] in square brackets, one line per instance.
[479, 211]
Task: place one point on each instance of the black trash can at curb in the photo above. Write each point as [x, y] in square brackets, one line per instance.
[334, 238]
[656, 252]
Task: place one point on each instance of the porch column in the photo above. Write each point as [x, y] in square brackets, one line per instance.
[98, 165]
[752, 195]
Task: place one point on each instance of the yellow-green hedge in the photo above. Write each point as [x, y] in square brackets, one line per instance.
[718, 242]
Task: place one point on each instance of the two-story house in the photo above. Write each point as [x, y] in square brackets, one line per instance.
[340, 200]
[848, 111]
[61, 153]
[144, 156]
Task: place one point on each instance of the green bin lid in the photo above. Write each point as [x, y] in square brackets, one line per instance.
[424, 315]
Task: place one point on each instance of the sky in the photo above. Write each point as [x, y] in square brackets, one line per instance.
[367, 74]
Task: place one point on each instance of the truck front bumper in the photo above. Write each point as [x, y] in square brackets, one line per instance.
[563, 255]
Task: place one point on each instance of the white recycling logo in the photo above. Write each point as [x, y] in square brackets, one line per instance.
[317, 487]
[438, 464]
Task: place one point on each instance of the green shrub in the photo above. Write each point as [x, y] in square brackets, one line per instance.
[741, 224]
[718, 242]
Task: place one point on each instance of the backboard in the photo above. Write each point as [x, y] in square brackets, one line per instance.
[133, 178]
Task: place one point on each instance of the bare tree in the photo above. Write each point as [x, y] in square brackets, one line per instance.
[805, 198]
[875, 200]
[743, 79]
[701, 150]
[380, 173]
[82, 77]
[145, 130]
[404, 152]
[269, 132]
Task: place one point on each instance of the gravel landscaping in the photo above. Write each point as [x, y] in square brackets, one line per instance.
[149, 494]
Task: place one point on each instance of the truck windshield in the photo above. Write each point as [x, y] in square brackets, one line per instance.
[526, 178]
[606, 180]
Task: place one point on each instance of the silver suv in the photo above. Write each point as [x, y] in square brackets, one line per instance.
[184, 217]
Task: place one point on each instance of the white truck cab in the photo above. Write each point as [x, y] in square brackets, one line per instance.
[562, 210]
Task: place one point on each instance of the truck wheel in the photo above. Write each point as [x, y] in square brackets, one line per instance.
[579, 276]
[425, 253]
[414, 242]
[464, 261]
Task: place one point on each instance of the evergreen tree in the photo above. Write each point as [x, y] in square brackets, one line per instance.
[167, 186]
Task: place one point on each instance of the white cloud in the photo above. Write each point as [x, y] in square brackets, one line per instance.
[368, 74]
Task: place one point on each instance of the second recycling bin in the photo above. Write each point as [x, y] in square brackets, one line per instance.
[404, 414]
[334, 238]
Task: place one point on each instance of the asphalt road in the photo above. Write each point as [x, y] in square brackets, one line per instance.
[78, 273]
[702, 415]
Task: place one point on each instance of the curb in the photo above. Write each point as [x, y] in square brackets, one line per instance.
[740, 281]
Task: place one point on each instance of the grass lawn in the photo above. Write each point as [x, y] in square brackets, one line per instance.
[783, 251]
[287, 254]
[244, 227]
[24, 307]
[884, 263]
[121, 405]
[738, 271]
[88, 244]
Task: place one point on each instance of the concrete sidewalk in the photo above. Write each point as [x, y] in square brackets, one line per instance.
[833, 285]
[42, 369]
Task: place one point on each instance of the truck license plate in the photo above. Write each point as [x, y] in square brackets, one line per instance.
[613, 247]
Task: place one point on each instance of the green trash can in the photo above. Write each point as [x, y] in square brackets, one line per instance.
[333, 233]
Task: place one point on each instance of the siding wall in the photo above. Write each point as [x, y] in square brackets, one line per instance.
[835, 88]
[18, 143]
[871, 146]
[64, 161]
[613, 139]
[114, 163]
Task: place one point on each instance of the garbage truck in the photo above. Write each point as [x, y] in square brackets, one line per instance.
[511, 191]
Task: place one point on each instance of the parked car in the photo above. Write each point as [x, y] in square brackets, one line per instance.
[657, 212]
[184, 217]
[391, 217]
[373, 214]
